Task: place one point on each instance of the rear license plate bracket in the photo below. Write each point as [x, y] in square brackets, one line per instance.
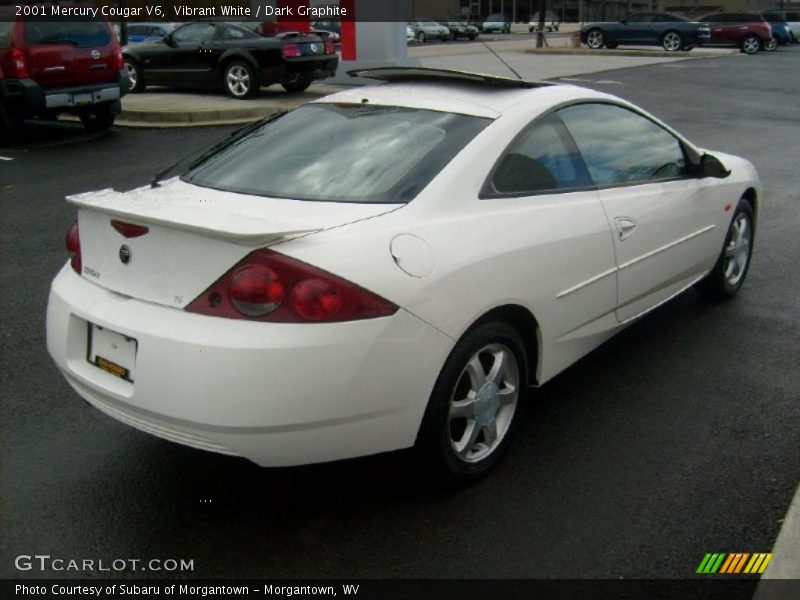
[111, 352]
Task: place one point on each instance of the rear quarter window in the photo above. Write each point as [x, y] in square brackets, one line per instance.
[78, 33]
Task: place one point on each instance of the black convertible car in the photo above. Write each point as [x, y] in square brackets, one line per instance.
[219, 53]
[647, 29]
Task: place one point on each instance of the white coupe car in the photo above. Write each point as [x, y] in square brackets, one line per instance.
[390, 266]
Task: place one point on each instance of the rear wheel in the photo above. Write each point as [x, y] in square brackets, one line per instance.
[97, 118]
[672, 41]
[134, 76]
[421, 37]
[595, 39]
[240, 80]
[770, 45]
[728, 274]
[751, 44]
[474, 408]
[297, 85]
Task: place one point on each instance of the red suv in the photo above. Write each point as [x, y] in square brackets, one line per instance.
[747, 31]
[52, 66]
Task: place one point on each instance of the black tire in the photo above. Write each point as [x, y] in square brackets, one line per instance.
[97, 118]
[472, 37]
[135, 75]
[672, 41]
[751, 44]
[240, 80]
[421, 37]
[719, 284]
[595, 38]
[492, 411]
[296, 86]
[770, 45]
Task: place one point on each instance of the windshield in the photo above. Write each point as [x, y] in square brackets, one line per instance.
[342, 153]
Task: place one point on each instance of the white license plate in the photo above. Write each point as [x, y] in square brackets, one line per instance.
[112, 352]
[81, 99]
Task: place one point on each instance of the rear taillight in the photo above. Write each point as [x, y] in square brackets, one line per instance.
[330, 47]
[291, 51]
[118, 60]
[267, 286]
[73, 244]
[16, 65]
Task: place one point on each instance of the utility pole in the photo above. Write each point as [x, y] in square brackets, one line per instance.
[540, 33]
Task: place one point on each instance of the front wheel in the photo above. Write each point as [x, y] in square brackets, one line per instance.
[672, 41]
[751, 44]
[421, 37]
[728, 274]
[240, 80]
[770, 45]
[474, 408]
[97, 118]
[595, 39]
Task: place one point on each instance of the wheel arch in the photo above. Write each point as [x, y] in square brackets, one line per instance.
[232, 55]
[523, 320]
[751, 196]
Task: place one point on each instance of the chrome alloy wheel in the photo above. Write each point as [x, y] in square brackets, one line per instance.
[595, 39]
[672, 42]
[750, 45]
[737, 252]
[483, 403]
[131, 71]
[238, 80]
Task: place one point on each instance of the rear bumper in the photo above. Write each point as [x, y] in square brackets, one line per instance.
[303, 68]
[276, 394]
[26, 98]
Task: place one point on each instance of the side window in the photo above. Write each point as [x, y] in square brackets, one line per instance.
[540, 160]
[637, 18]
[620, 146]
[194, 33]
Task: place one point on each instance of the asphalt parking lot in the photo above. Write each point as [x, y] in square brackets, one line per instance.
[677, 438]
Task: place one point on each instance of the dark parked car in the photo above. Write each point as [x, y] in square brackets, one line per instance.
[670, 32]
[219, 53]
[747, 31]
[53, 67]
[781, 30]
[460, 29]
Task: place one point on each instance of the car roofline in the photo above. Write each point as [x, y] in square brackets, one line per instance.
[396, 74]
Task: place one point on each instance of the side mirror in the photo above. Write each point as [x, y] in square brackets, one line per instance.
[710, 166]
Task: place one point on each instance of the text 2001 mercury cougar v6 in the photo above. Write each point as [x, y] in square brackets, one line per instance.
[390, 266]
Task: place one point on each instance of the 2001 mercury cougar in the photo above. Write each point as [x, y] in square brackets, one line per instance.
[390, 266]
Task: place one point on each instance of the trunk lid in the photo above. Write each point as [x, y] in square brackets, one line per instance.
[194, 236]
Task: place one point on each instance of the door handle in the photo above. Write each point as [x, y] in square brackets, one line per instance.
[625, 226]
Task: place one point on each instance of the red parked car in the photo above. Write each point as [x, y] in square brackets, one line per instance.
[747, 31]
[48, 67]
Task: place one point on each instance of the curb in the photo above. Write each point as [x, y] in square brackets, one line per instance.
[632, 53]
[146, 118]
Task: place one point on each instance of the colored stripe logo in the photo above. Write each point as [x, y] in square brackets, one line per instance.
[729, 563]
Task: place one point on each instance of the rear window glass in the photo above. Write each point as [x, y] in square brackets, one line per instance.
[77, 33]
[343, 153]
[5, 34]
